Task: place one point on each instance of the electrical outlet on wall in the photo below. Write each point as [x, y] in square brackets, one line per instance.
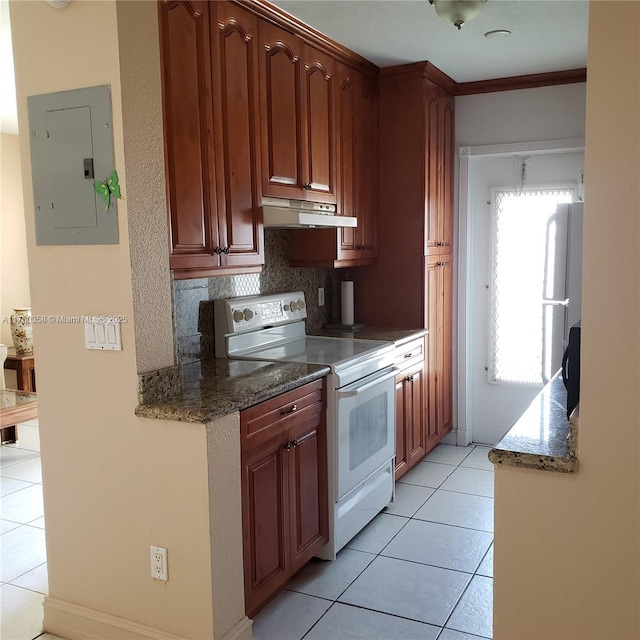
[159, 568]
[321, 296]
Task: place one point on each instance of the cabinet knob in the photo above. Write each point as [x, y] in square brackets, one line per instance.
[217, 250]
[291, 409]
[409, 378]
[226, 251]
[290, 445]
[306, 187]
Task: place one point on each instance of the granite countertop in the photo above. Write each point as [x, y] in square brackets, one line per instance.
[388, 334]
[543, 438]
[216, 387]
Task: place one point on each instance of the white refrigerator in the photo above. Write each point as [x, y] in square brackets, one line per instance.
[562, 297]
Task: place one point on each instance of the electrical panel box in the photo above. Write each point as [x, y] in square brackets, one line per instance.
[71, 135]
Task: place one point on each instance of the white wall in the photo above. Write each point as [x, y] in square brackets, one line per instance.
[14, 274]
[113, 483]
[567, 546]
[547, 113]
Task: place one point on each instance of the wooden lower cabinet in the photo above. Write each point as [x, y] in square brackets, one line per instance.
[438, 294]
[284, 489]
[415, 435]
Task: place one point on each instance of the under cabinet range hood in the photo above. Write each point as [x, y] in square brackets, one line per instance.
[279, 213]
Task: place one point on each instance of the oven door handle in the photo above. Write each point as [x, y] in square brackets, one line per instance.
[356, 388]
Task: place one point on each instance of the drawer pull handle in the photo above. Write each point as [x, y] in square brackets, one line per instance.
[408, 355]
[291, 409]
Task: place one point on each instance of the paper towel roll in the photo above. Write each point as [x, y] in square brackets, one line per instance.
[346, 298]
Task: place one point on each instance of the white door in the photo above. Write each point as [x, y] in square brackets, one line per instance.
[517, 259]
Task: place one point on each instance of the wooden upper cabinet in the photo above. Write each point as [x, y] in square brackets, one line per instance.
[235, 71]
[297, 108]
[356, 107]
[439, 143]
[281, 111]
[189, 156]
[211, 124]
[319, 125]
[348, 86]
[366, 178]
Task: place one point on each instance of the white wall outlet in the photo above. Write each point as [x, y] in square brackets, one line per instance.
[321, 296]
[159, 568]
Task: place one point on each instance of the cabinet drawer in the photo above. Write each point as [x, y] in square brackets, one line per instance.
[408, 354]
[265, 420]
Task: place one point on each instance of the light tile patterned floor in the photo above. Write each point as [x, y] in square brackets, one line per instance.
[423, 569]
[23, 563]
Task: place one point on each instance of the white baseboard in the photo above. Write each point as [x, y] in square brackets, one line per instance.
[463, 437]
[75, 622]
[241, 631]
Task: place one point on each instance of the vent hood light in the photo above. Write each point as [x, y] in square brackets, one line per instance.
[279, 213]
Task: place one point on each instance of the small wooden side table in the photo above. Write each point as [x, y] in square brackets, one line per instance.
[25, 368]
[15, 407]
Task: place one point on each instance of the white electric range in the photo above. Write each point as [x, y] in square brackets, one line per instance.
[360, 400]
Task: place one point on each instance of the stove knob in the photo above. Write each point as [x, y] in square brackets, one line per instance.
[238, 316]
[301, 305]
[293, 305]
[286, 307]
[248, 314]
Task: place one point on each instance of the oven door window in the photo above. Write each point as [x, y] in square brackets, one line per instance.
[368, 430]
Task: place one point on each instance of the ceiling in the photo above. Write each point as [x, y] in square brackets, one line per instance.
[547, 35]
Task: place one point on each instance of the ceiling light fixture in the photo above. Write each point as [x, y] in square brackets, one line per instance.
[498, 33]
[457, 11]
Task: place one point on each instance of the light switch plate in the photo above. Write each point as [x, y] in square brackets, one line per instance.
[102, 332]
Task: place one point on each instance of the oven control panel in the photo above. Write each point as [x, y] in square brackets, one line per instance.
[239, 315]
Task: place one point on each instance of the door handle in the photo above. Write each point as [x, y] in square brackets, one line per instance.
[354, 389]
[291, 409]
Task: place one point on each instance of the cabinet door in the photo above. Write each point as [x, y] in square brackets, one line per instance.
[445, 398]
[281, 112]
[433, 115]
[235, 76]
[367, 168]
[402, 458]
[418, 435]
[446, 205]
[265, 518]
[432, 276]
[307, 461]
[189, 155]
[347, 84]
[319, 126]
[439, 288]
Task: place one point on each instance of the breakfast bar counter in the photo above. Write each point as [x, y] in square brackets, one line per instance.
[217, 387]
[543, 438]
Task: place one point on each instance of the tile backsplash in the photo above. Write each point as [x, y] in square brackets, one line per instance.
[193, 299]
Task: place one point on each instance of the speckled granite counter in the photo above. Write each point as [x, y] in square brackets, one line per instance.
[542, 438]
[388, 334]
[216, 387]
